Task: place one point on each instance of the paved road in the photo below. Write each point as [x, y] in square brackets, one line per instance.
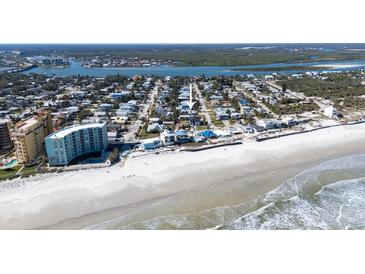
[129, 137]
[259, 103]
[227, 124]
[203, 105]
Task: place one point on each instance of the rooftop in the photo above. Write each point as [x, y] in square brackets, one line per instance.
[66, 131]
[4, 121]
[27, 123]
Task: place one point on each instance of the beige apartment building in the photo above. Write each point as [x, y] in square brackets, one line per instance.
[29, 135]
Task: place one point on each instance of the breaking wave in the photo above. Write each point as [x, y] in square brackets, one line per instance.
[328, 196]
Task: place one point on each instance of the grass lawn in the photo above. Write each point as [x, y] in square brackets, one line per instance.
[26, 171]
[143, 134]
[217, 123]
[193, 144]
[199, 128]
[9, 173]
[146, 135]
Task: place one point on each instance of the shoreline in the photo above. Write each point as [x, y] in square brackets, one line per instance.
[72, 200]
[287, 68]
[338, 66]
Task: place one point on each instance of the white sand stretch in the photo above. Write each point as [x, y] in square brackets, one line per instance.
[47, 199]
[339, 66]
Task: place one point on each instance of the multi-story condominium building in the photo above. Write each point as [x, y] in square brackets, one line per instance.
[5, 139]
[68, 143]
[29, 137]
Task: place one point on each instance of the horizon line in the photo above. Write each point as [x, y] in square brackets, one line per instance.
[171, 43]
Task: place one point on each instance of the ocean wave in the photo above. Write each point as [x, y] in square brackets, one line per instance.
[337, 206]
[327, 196]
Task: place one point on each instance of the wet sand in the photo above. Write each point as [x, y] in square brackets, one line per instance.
[168, 184]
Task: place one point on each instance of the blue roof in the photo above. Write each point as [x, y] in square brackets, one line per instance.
[181, 132]
[117, 94]
[207, 134]
[244, 102]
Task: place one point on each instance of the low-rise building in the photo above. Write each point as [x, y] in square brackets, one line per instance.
[152, 143]
[222, 113]
[330, 112]
[105, 107]
[221, 133]
[168, 137]
[182, 136]
[236, 115]
[72, 109]
[154, 128]
[289, 120]
[216, 97]
[269, 123]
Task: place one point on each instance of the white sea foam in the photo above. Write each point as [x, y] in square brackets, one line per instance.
[339, 204]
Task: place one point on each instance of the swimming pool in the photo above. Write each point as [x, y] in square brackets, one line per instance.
[10, 164]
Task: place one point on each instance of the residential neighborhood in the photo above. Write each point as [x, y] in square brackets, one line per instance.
[153, 114]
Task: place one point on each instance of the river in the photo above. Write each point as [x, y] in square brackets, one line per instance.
[75, 68]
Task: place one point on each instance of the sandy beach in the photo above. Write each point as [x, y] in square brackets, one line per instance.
[170, 183]
[339, 66]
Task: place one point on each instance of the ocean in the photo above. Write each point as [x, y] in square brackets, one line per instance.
[330, 195]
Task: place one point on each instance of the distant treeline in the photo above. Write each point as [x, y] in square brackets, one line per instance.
[204, 55]
[227, 57]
